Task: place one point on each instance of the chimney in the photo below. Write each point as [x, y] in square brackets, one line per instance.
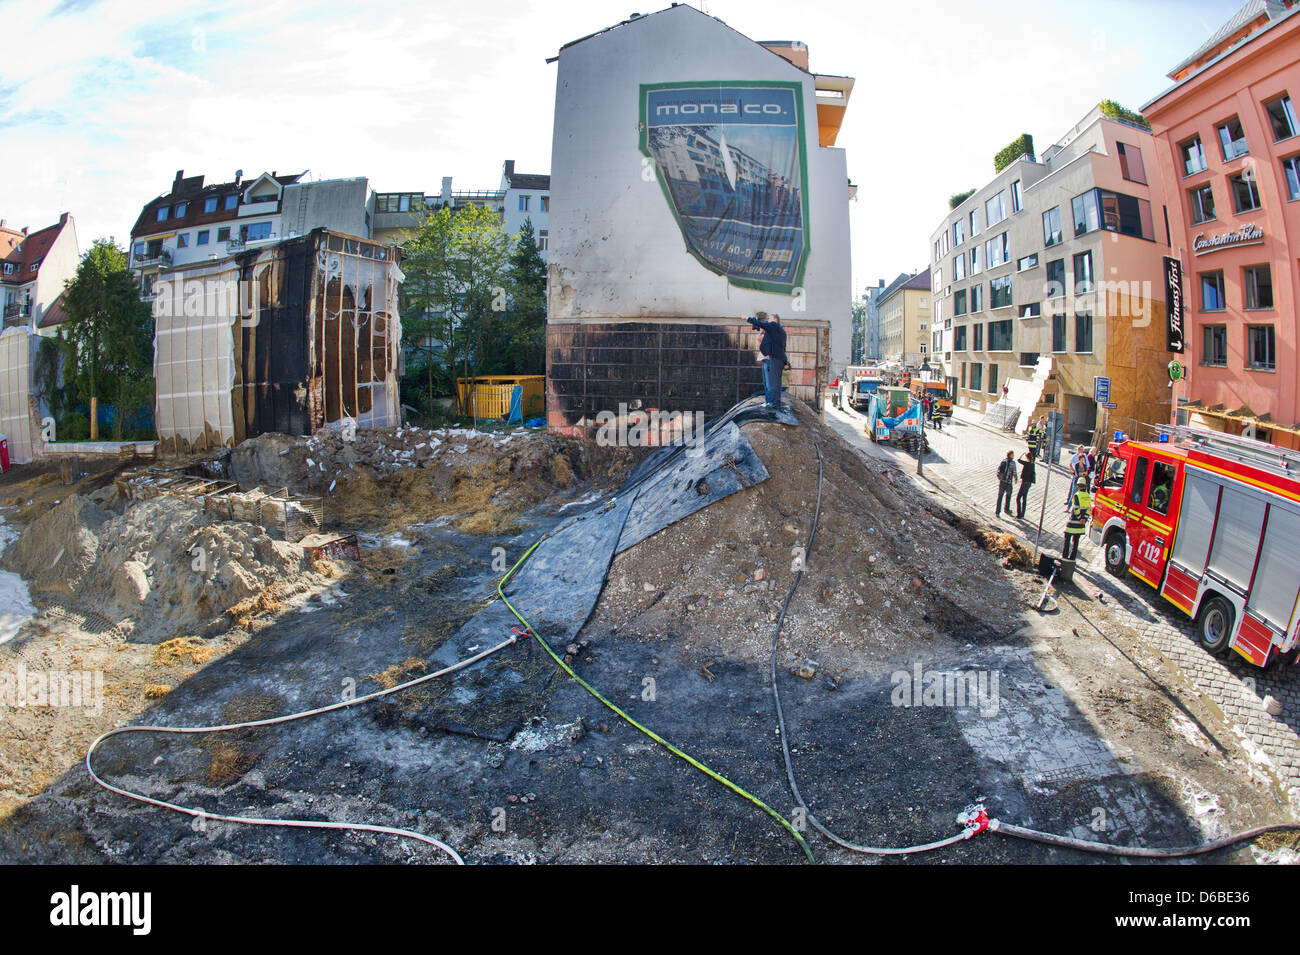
[24, 230]
[63, 218]
[239, 176]
[446, 189]
[510, 168]
[176, 183]
[882, 283]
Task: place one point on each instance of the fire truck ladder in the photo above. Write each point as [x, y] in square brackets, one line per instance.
[1259, 454]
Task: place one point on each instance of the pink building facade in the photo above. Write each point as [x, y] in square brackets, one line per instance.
[1229, 154]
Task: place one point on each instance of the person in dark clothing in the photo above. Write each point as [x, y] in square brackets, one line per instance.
[772, 347]
[1027, 477]
[1006, 481]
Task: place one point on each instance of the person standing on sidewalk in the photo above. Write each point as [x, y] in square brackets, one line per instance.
[1034, 437]
[1080, 510]
[1078, 463]
[1006, 482]
[1027, 477]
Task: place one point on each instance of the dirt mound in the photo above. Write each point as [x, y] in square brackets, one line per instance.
[884, 577]
[388, 479]
[162, 568]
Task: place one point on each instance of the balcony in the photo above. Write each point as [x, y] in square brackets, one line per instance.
[162, 257]
[18, 310]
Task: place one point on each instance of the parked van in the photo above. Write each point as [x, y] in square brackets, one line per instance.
[938, 391]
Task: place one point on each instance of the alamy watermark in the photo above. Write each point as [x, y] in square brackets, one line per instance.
[957, 689]
[82, 689]
[650, 429]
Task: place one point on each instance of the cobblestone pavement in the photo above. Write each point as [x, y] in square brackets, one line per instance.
[961, 465]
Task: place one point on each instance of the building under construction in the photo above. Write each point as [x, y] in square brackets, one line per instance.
[289, 337]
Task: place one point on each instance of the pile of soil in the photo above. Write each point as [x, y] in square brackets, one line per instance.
[885, 576]
[388, 479]
[159, 568]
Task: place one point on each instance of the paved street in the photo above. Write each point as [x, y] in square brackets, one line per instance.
[960, 467]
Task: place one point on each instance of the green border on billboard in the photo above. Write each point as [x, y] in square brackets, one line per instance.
[754, 284]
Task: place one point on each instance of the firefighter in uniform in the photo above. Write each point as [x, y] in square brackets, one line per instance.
[1034, 437]
[1080, 509]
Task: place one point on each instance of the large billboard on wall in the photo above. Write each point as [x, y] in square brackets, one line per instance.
[731, 159]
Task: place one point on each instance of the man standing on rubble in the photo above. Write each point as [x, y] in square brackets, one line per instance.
[772, 347]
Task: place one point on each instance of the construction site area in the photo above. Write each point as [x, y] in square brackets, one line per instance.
[620, 704]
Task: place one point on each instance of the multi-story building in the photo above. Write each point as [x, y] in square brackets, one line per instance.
[196, 223]
[904, 316]
[527, 197]
[1059, 259]
[696, 181]
[1229, 148]
[871, 329]
[521, 196]
[34, 267]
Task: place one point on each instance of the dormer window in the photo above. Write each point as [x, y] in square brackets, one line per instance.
[179, 212]
[163, 212]
[232, 201]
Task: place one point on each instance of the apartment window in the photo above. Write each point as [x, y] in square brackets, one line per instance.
[976, 259]
[232, 200]
[1087, 217]
[977, 298]
[1015, 196]
[1233, 139]
[223, 234]
[1125, 214]
[201, 237]
[1214, 345]
[958, 268]
[1000, 335]
[182, 240]
[958, 232]
[959, 338]
[1212, 299]
[995, 210]
[1257, 285]
[154, 249]
[1083, 332]
[998, 250]
[974, 222]
[1193, 153]
[1083, 273]
[1000, 292]
[993, 378]
[1028, 262]
[1201, 200]
[1032, 310]
[523, 203]
[137, 250]
[1052, 227]
[937, 253]
[977, 337]
[976, 374]
[1281, 116]
[1130, 163]
[546, 203]
[1291, 168]
[1054, 287]
[256, 231]
[210, 204]
[543, 240]
[1058, 333]
[180, 210]
[959, 303]
[1260, 347]
[1245, 195]
[944, 239]
[1028, 359]
[163, 212]
[35, 265]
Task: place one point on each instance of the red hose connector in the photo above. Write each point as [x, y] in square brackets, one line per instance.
[975, 819]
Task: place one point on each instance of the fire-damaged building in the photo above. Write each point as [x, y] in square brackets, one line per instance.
[291, 337]
[695, 182]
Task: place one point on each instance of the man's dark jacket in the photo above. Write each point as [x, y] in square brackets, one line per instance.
[773, 343]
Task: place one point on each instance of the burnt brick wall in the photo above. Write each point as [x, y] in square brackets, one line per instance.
[671, 366]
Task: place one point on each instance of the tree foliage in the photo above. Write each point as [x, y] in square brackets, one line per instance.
[474, 302]
[1112, 110]
[1022, 145]
[958, 198]
[104, 349]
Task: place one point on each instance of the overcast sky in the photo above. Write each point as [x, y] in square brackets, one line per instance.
[101, 102]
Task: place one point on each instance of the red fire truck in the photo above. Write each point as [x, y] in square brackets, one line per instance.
[1212, 521]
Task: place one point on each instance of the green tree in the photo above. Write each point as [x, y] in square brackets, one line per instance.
[455, 292]
[859, 343]
[525, 353]
[107, 340]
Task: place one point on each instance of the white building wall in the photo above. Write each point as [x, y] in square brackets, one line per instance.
[616, 250]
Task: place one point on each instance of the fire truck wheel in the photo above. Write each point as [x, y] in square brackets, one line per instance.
[1214, 625]
[1114, 549]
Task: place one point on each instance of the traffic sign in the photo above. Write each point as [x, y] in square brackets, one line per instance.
[1100, 390]
[1111, 406]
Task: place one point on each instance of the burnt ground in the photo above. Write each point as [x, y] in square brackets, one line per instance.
[1074, 740]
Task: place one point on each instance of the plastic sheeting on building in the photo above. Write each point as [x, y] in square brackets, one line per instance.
[18, 419]
[290, 338]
